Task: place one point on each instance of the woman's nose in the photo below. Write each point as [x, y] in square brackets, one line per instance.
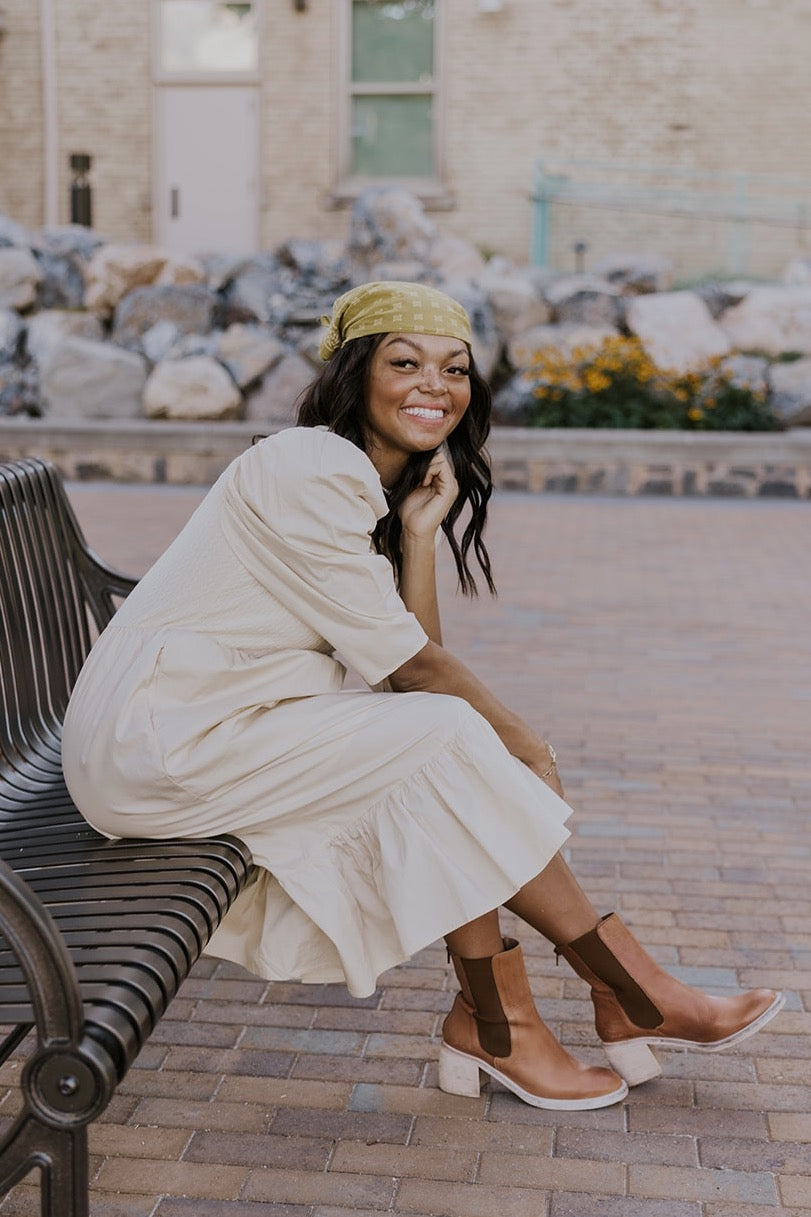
[432, 378]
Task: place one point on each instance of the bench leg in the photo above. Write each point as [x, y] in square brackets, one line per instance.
[61, 1155]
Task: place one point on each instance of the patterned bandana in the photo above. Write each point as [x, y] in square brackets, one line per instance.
[392, 308]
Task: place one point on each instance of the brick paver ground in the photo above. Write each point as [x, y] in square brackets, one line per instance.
[664, 648]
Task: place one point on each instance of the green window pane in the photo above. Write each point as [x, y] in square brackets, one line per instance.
[392, 41]
[392, 136]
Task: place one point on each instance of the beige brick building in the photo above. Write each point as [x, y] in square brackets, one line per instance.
[239, 125]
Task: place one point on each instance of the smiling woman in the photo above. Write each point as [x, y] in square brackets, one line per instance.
[214, 702]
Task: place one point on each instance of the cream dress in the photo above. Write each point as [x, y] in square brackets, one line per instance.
[213, 703]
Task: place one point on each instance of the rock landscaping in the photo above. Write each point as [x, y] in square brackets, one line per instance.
[94, 330]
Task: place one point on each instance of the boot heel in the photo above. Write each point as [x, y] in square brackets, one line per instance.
[633, 1061]
[458, 1074]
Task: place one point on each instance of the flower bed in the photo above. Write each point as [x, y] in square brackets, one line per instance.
[617, 384]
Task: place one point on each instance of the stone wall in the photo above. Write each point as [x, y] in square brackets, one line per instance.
[635, 80]
[90, 330]
[588, 462]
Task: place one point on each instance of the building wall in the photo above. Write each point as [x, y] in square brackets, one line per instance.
[684, 83]
[21, 128]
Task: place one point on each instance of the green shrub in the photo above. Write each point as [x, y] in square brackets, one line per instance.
[616, 384]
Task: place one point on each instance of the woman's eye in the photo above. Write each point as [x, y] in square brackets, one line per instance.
[459, 371]
[404, 363]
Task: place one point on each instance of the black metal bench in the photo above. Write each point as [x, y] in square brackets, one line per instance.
[96, 936]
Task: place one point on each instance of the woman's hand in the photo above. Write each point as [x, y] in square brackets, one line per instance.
[423, 511]
[434, 670]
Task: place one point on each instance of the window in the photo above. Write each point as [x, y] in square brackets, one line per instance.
[205, 36]
[392, 90]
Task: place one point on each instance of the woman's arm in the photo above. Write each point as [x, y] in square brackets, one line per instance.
[421, 515]
[434, 670]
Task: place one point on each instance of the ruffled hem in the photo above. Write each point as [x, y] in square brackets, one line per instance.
[455, 839]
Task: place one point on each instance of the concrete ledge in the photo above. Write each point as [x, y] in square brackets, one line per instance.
[586, 461]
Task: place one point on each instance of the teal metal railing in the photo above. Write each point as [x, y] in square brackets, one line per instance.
[739, 201]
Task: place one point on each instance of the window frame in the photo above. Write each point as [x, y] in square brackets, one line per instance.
[431, 189]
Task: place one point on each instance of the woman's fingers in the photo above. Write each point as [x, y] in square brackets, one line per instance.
[426, 507]
[440, 473]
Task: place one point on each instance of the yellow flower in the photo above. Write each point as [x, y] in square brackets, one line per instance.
[596, 382]
[695, 414]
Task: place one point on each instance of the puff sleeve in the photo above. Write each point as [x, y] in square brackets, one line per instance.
[299, 509]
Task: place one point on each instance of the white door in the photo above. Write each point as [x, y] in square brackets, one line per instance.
[208, 142]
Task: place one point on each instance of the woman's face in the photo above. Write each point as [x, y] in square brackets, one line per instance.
[417, 392]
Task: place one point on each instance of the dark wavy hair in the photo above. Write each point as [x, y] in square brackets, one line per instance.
[337, 399]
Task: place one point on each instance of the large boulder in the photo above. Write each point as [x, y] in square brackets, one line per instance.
[771, 320]
[19, 390]
[274, 402]
[81, 378]
[635, 274]
[11, 328]
[388, 224]
[116, 270]
[159, 340]
[179, 272]
[583, 300]
[12, 233]
[248, 351]
[513, 299]
[63, 254]
[189, 308]
[221, 268]
[746, 372]
[20, 276]
[257, 292]
[322, 264]
[721, 294]
[195, 388]
[523, 350]
[454, 260]
[676, 329]
[47, 329]
[790, 398]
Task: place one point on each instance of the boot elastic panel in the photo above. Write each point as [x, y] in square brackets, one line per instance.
[604, 964]
[491, 1021]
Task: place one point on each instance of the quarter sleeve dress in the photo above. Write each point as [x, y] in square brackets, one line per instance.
[214, 702]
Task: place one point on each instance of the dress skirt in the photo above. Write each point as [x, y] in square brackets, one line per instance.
[379, 822]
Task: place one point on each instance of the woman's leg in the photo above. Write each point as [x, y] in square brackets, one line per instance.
[555, 905]
[478, 939]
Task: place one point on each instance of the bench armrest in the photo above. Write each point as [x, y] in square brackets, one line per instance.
[66, 1081]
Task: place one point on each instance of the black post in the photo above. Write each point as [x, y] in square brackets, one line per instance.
[81, 199]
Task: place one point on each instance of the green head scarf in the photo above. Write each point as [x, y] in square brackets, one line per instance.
[393, 308]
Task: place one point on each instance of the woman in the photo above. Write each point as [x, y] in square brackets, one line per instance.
[379, 820]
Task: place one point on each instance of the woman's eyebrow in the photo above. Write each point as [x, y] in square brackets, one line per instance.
[416, 346]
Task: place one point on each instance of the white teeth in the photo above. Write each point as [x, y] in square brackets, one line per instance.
[423, 412]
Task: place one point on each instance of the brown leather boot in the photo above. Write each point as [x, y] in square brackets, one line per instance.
[637, 1004]
[494, 1026]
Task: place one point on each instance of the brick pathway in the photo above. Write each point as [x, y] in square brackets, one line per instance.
[664, 648]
